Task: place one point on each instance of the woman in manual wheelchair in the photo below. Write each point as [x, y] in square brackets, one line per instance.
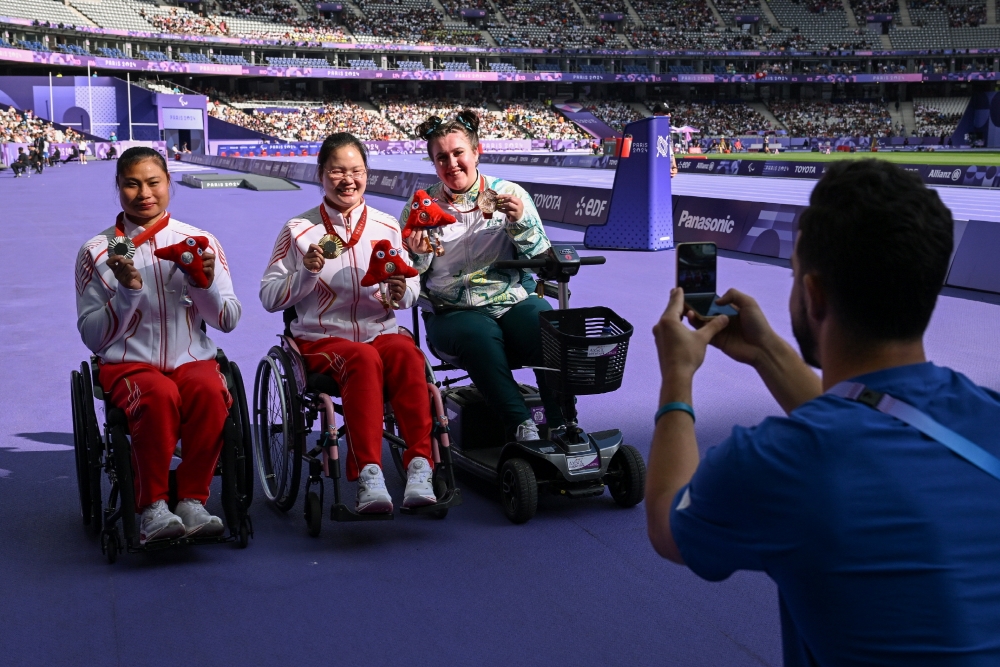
[144, 322]
[343, 328]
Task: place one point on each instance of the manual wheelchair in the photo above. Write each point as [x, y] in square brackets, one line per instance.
[287, 400]
[584, 350]
[107, 451]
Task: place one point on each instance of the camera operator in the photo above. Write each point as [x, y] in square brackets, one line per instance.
[884, 543]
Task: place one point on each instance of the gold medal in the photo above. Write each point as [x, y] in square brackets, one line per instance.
[487, 202]
[332, 246]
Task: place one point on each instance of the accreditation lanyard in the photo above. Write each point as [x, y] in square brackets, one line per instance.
[328, 224]
[451, 198]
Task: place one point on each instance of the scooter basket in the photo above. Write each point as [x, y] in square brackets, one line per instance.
[588, 346]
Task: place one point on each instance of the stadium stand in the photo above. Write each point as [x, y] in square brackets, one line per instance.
[19, 127]
[119, 14]
[110, 53]
[42, 10]
[542, 23]
[822, 24]
[714, 120]
[223, 59]
[938, 116]
[616, 114]
[826, 119]
[155, 56]
[298, 62]
[502, 67]
[312, 124]
[363, 64]
[411, 65]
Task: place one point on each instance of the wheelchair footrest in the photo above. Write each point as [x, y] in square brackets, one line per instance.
[452, 499]
[341, 512]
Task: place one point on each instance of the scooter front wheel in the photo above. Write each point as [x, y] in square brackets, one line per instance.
[518, 490]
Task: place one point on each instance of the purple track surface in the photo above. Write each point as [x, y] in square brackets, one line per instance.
[578, 585]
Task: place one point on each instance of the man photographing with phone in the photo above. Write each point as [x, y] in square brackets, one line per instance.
[875, 504]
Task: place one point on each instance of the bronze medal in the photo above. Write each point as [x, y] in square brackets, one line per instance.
[332, 246]
[487, 202]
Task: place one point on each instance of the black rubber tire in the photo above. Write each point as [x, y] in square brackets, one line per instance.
[122, 453]
[242, 420]
[94, 446]
[244, 534]
[278, 447]
[80, 450]
[626, 478]
[314, 514]
[111, 544]
[230, 484]
[518, 490]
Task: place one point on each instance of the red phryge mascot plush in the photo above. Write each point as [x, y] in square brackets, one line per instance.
[427, 215]
[187, 256]
[386, 261]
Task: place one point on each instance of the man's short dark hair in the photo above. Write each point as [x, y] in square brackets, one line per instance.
[880, 241]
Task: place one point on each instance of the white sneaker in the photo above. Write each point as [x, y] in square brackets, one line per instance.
[197, 520]
[527, 431]
[419, 484]
[373, 498]
[159, 523]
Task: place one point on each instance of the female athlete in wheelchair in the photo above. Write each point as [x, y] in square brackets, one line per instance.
[343, 328]
[475, 256]
[144, 321]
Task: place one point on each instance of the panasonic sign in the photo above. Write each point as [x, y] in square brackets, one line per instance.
[722, 225]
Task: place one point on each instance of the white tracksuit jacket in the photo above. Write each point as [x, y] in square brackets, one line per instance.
[151, 325]
[332, 302]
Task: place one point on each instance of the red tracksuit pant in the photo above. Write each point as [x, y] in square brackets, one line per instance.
[190, 404]
[389, 366]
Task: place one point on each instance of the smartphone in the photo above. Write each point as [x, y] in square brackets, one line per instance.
[696, 273]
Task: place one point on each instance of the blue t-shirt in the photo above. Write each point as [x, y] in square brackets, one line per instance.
[884, 544]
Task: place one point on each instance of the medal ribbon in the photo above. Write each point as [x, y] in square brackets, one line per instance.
[355, 237]
[482, 189]
[145, 234]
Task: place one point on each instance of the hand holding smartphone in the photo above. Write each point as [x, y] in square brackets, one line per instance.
[696, 274]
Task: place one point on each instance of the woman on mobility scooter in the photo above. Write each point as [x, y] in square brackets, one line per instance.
[143, 319]
[484, 316]
[347, 331]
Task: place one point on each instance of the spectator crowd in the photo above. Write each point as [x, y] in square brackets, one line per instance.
[826, 119]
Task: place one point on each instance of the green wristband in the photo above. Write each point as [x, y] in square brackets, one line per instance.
[671, 407]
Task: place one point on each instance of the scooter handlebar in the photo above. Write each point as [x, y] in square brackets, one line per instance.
[540, 262]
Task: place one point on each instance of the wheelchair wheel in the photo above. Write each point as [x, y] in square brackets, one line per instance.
[244, 473]
[278, 432]
[626, 476]
[87, 445]
[80, 449]
[518, 490]
[121, 451]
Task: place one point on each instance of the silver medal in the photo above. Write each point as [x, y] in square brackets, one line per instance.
[121, 246]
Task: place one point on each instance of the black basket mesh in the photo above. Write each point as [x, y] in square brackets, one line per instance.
[588, 346]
